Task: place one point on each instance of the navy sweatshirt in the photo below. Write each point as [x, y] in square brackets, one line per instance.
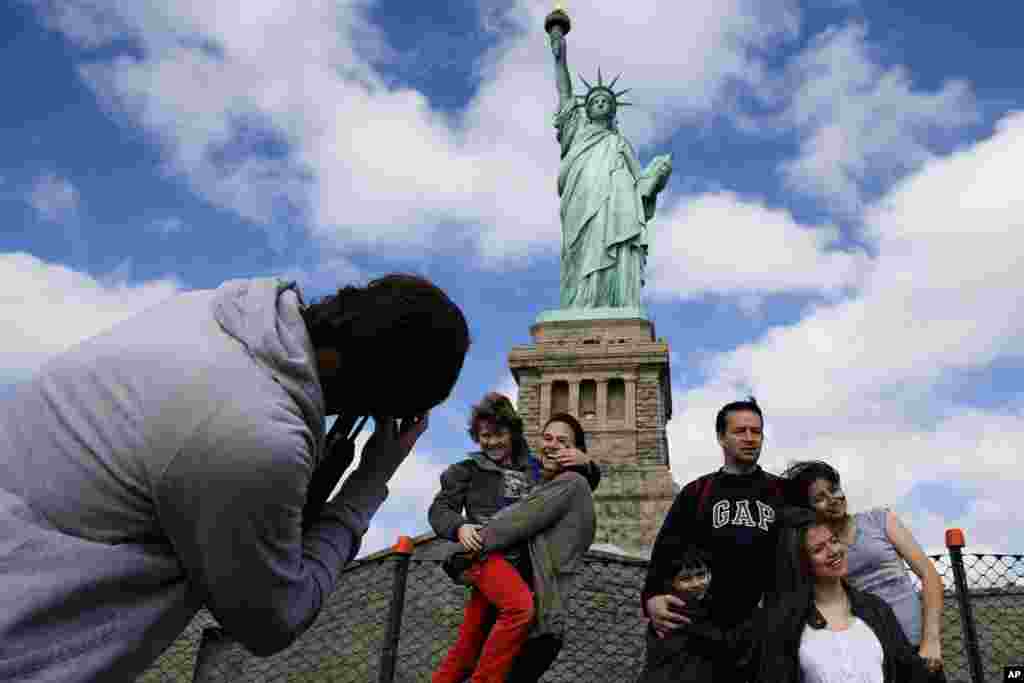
[730, 519]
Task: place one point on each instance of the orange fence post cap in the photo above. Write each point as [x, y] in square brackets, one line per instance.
[955, 538]
[404, 546]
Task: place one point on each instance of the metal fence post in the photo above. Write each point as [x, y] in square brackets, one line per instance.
[955, 543]
[389, 653]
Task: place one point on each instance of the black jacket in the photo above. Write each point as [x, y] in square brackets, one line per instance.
[730, 519]
[767, 646]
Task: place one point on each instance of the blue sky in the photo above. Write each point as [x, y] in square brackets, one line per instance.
[840, 234]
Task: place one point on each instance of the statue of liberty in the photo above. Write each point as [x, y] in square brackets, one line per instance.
[607, 200]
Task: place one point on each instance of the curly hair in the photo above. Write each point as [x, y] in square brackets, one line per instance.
[496, 408]
[402, 341]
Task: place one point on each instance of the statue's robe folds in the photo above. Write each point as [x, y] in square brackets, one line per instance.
[606, 204]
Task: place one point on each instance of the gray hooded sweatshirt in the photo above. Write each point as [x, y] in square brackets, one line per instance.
[160, 467]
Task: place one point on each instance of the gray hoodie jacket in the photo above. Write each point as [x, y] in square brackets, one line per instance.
[162, 466]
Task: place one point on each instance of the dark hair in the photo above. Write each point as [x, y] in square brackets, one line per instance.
[793, 592]
[801, 475]
[402, 341]
[578, 435]
[792, 569]
[692, 558]
[498, 408]
[735, 407]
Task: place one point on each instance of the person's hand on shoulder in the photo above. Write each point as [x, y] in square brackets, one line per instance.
[571, 457]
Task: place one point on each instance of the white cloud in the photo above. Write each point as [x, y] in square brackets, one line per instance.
[47, 308]
[88, 23]
[508, 387]
[858, 382]
[314, 129]
[54, 198]
[720, 243]
[860, 122]
[326, 277]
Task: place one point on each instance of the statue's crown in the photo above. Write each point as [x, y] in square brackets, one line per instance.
[583, 100]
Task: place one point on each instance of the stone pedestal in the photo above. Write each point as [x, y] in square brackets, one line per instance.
[612, 375]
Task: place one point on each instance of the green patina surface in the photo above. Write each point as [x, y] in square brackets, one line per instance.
[601, 313]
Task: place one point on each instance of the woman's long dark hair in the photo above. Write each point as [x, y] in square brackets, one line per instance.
[791, 604]
[792, 571]
[794, 579]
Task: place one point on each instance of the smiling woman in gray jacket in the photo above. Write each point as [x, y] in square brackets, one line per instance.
[164, 465]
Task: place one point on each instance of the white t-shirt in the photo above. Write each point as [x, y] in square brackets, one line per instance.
[850, 656]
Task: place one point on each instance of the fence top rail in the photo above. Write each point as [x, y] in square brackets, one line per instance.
[997, 556]
[607, 556]
[424, 539]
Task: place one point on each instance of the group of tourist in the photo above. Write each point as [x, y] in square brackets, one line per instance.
[753, 577]
[179, 460]
[836, 601]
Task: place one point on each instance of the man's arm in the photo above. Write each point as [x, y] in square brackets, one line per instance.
[445, 513]
[676, 534]
[542, 508]
[231, 504]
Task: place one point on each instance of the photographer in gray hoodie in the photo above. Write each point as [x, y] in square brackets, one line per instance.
[179, 460]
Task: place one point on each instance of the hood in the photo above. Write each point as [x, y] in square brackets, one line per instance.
[264, 314]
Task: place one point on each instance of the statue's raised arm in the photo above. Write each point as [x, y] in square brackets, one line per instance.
[557, 25]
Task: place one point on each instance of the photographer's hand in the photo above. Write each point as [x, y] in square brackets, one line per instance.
[337, 458]
[365, 489]
[389, 446]
[412, 429]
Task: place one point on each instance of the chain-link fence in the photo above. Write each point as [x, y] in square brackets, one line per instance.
[994, 601]
[365, 635]
[344, 644]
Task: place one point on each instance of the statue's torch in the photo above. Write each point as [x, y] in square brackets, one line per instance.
[557, 23]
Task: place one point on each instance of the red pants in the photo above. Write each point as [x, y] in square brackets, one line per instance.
[489, 656]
